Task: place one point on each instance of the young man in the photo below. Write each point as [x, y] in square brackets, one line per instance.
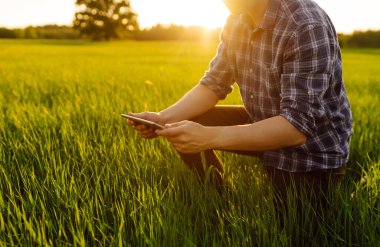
[285, 58]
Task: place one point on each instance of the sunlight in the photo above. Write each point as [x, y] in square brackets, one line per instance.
[347, 15]
[210, 13]
[22, 13]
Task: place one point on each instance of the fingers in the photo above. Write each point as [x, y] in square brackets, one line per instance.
[142, 127]
[148, 136]
[144, 131]
[172, 130]
[178, 124]
[135, 114]
[130, 123]
[139, 127]
[143, 115]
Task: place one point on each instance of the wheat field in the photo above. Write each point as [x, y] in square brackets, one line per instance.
[72, 173]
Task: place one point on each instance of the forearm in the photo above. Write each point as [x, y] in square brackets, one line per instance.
[270, 134]
[197, 101]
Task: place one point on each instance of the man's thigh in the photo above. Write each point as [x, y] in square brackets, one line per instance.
[224, 115]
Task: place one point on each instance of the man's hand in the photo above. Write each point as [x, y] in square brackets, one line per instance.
[144, 131]
[187, 136]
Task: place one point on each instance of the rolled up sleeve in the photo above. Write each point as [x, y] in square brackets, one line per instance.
[306, 77]
[219, 78]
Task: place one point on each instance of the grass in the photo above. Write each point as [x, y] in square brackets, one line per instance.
[73, 174]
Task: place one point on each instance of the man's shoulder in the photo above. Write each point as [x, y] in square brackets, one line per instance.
[303, 13]
[234, 26]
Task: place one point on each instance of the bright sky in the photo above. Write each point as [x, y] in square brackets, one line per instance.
[348, 15]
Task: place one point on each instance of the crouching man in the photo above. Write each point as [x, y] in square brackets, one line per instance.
[286, 60]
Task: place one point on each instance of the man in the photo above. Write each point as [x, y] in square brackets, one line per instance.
[285, 58]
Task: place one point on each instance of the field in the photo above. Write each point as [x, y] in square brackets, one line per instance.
[73, 173]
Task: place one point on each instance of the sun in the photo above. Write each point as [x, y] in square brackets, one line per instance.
[210, 13]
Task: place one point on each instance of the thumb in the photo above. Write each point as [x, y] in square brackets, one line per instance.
[142, 115]
[177, 124]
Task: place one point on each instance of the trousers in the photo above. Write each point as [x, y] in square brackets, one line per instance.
[209, 168]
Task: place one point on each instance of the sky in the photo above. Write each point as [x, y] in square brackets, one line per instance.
[347, 15]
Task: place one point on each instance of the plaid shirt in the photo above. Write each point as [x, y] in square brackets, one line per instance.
[289, 65]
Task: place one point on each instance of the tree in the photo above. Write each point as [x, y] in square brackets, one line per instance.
[30, 33]
[105, 19]
[7, 33]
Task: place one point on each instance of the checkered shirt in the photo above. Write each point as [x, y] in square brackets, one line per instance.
[288, 65]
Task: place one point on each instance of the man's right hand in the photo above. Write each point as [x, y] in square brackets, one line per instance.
[144, 131]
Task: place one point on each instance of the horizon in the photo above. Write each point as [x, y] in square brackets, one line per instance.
[180, 13]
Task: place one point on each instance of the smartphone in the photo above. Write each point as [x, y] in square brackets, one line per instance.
[144, 122]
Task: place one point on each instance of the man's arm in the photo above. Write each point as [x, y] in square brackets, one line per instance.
[197, 101]
[270, 134]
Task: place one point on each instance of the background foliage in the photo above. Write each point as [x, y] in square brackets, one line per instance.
[358, 39]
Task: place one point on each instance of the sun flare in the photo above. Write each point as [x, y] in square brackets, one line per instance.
[210, 13]
[207, 13]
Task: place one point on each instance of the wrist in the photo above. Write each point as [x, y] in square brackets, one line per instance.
[164, 117]
[215, 137]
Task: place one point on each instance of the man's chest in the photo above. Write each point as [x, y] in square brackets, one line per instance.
[256, 59]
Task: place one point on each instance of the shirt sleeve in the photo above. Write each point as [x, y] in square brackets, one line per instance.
[219, 78]
[308, 60]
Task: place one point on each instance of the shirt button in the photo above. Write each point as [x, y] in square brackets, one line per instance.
[251, 96]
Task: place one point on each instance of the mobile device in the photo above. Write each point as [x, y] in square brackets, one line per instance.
[144, 122]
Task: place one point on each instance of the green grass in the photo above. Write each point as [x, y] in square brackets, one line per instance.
[73, 173]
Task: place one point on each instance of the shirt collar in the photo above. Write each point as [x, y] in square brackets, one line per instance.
[269, 19]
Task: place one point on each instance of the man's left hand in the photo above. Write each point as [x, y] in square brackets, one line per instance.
[187, 136]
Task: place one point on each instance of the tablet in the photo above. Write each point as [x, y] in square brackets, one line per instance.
[144, 122]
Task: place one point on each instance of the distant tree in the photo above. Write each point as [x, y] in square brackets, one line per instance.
[20, 33]
[105, 19]
[368, 39]
[30, 33]
[7, 33]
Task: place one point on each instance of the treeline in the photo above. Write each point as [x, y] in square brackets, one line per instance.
[158, 32]
[40, 32]
[359, 39]
[175, 32]
[365, 39]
